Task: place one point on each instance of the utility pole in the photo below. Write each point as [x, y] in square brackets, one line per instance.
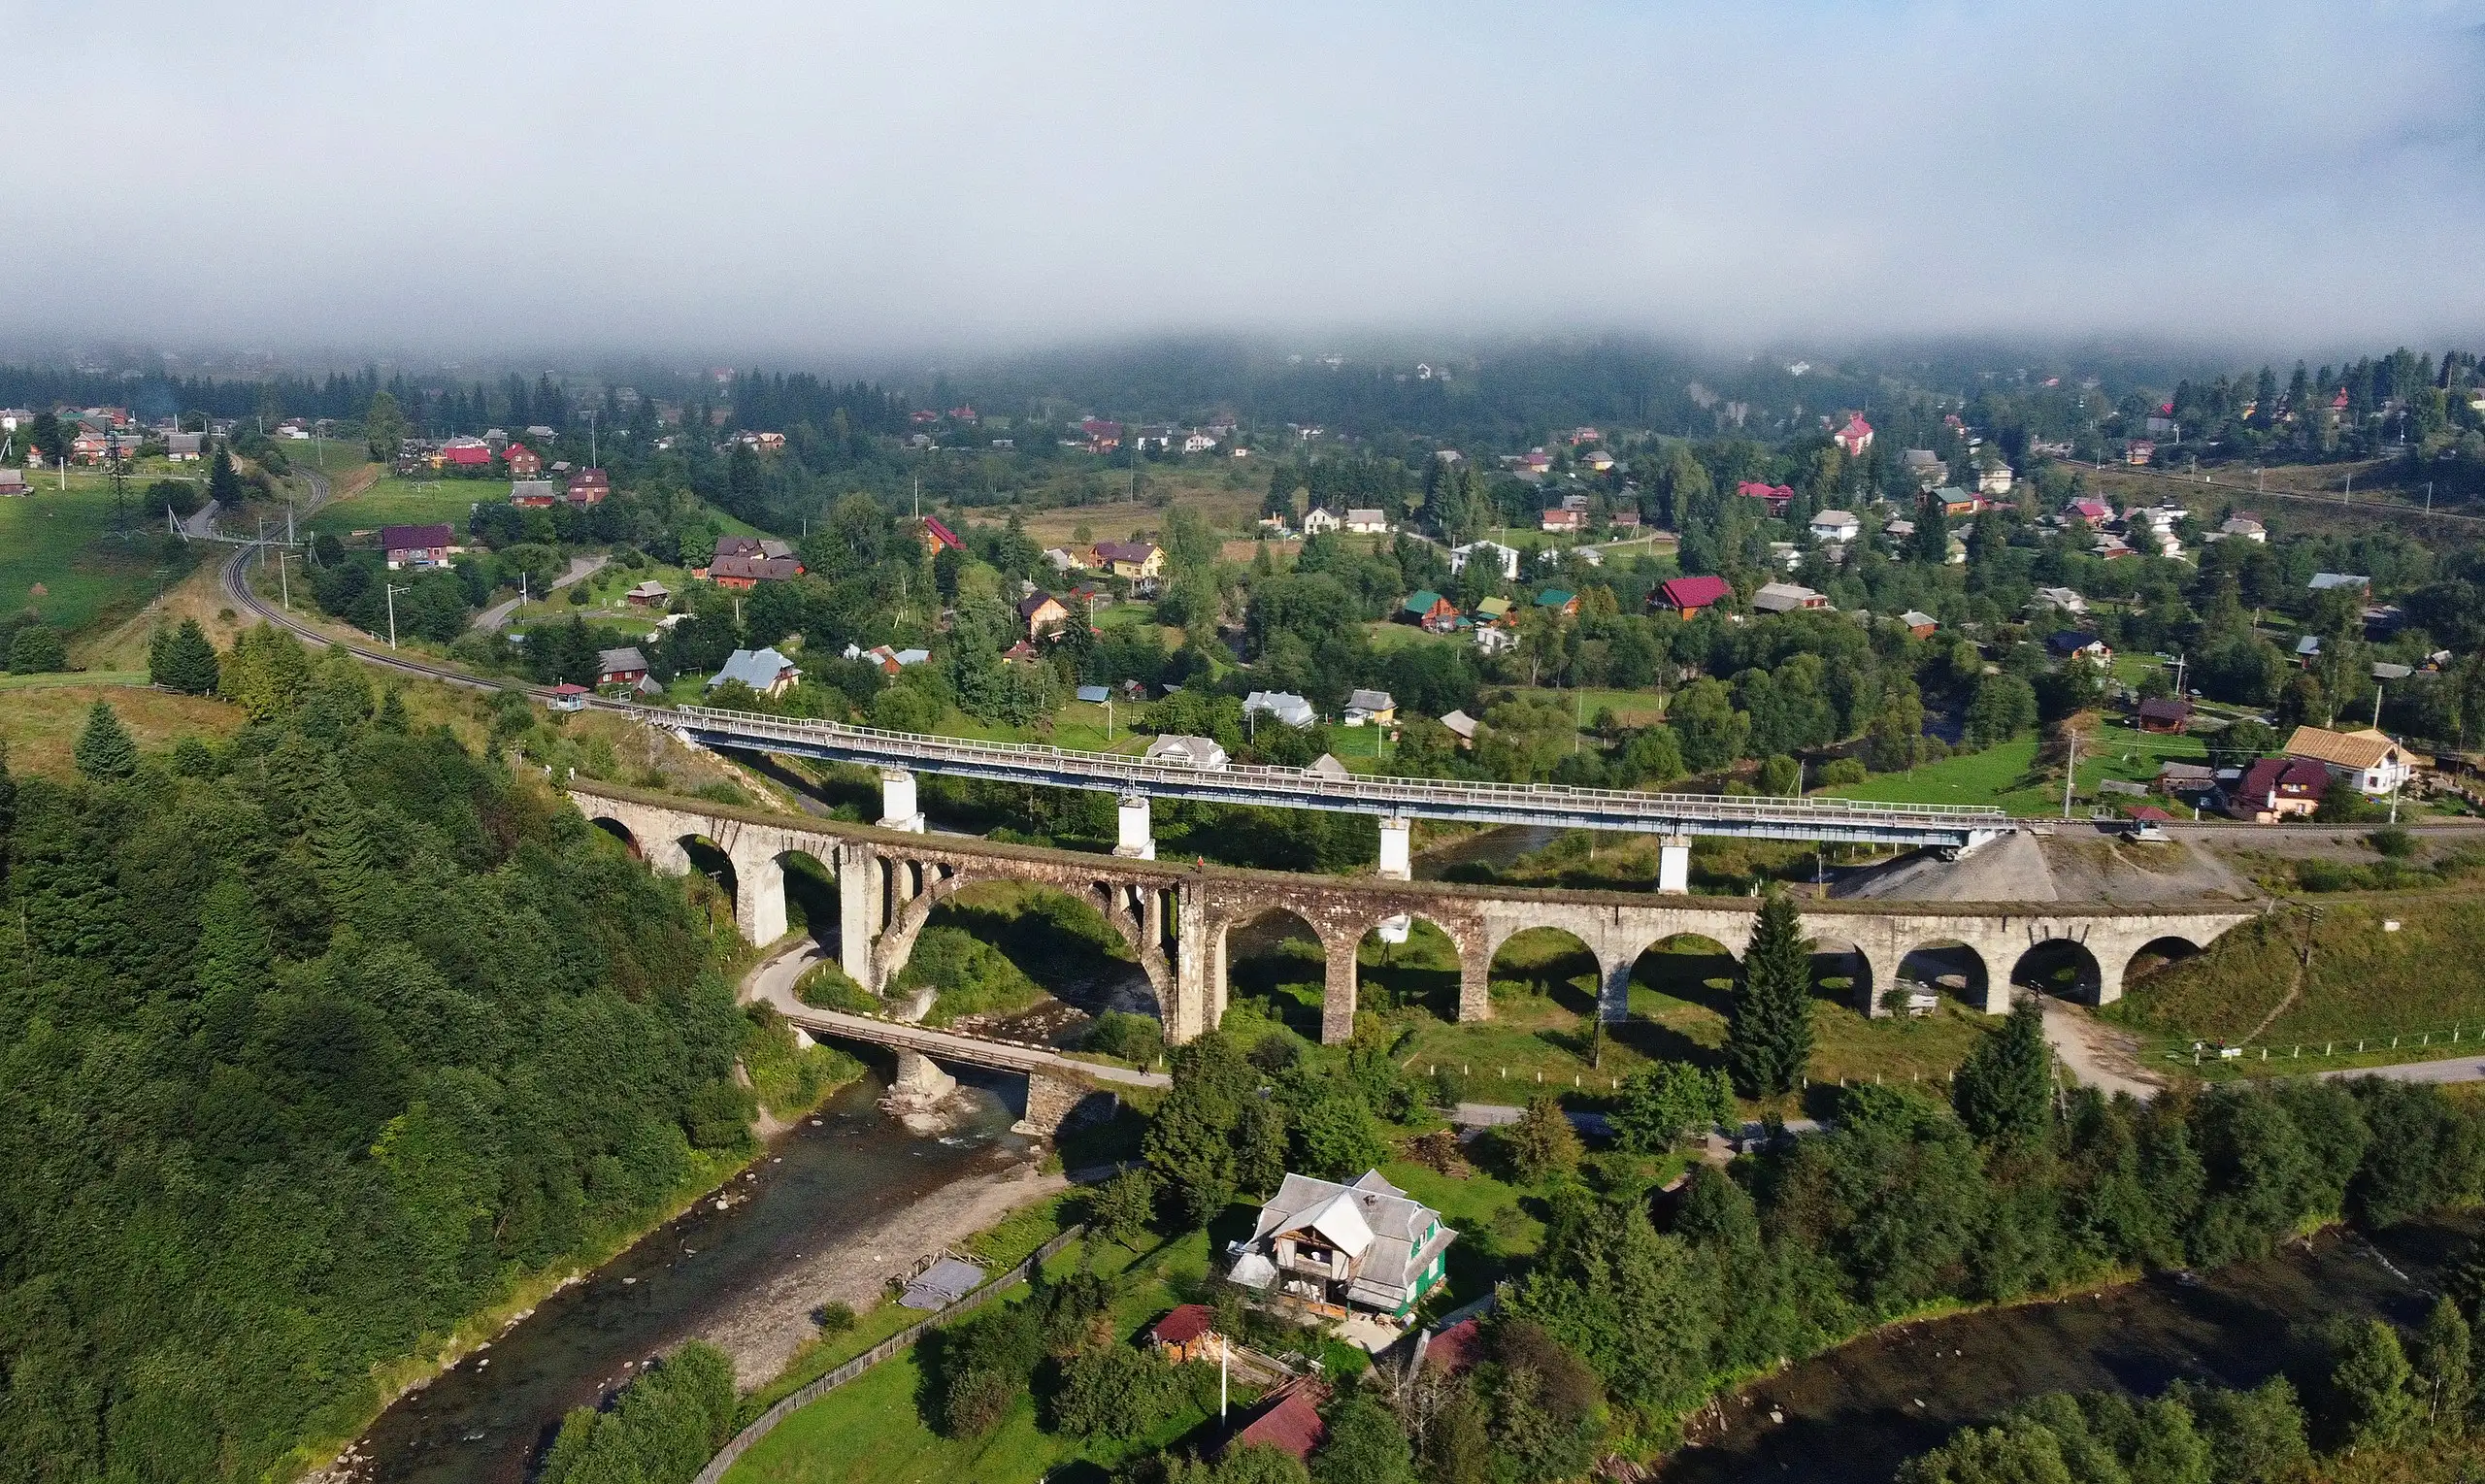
[2071, 774]
[283, 588]
[393, 591]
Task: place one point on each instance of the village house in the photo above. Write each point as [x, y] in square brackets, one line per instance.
[935, 535]
[2071, 643]
[1919, 624]
[1687, 596]
[1461, 726]
[1376, 707]
[1623, 520]
[2058, 600]
[2095, 512]
[1317, 521]
[1835, 526]
[1777, 497]
[2330, 582]
[1366, 522]
[1186, 751]
[425, 546]
[2168, 714]
[648, 594]
[1188, 1333]
[764, 670]
[1959, 504]
[2140, 451]
[463, 453]
[2244, 528]
[588, 487]
[1787, 598]
[1278, 706]
[523, 462]
[184, 447]
[1430, 611]
[1334, 1249]
[2364, 760]
[1564, 522]
[1854, 437]
[1492, 554]
[1926, 467]
[1597, 461]
[566, 697]
[1493, 611]
[1994, 479]
[1561, 603]
[2276, 788]
[13, 479]
[1136, 560]
[533, 494]
[620, 667]
[1043, 613]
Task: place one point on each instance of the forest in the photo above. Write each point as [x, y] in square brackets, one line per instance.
[317, 1041]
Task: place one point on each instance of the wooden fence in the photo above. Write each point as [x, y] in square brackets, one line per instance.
[810, 1392]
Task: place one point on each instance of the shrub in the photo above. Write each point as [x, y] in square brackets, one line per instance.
[1138, 1040]
[1841, 772]
[2392, 841]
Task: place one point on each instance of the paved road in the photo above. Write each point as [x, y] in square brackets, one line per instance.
[490, 619]
[201, 526]
[2096, 1055]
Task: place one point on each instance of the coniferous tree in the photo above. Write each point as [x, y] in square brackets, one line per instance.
[223, 484]
[1931, 532]
[2004, 1087]
[8, 809]
[183, 659]
[392, 713]
[104, 752]
[1769, 1037]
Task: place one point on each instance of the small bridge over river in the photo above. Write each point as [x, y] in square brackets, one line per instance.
[1176, 918]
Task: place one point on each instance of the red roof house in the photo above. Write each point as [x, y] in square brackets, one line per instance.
[1854, 437]
[1456, 1349]
[2277, 789]
[524, 463]
[1687, 596]
[466, 453]
[589, 486]
[936, 536]
[1292, 1426]
[1776, 496]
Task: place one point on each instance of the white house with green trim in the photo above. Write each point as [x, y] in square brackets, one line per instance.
[1336, 1247]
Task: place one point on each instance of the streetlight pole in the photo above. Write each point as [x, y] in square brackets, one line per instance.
[394, 590]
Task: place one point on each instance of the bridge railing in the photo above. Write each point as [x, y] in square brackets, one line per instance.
[1382, 793]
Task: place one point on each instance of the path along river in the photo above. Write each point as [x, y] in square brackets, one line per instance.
[829, 1181]
[1850, 1416]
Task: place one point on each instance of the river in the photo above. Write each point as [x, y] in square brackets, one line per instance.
[1852, 1416]
[834, 1174]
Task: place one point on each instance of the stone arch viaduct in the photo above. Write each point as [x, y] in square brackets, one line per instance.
[1176, 917]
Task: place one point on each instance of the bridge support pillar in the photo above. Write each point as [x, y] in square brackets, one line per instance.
[1673, 864]
[855, 899]
[920, 1079]
[1883, 960]
[666, 857]
[1052, 1103]
[759, 899]
[2110, 964]
[1134, 839]
[1997, 986]
[898, 808]
[1193, 958]
[1338, 1000]
[1396, 864]
[1613, 990]
[1474, 987]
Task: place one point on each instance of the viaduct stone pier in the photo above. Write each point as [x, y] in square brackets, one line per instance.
[1176, 917]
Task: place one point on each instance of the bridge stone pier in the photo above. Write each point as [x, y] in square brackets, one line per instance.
[1176, 918]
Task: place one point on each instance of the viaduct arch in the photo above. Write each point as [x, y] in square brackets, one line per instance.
[1176, 918]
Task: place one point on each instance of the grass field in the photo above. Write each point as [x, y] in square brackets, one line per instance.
[872, 1430]
[2001, 774]
[391, 501]
[2367, 980]
[41, 723]
[59, 554]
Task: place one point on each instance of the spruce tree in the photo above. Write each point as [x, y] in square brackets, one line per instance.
[2006, 1085]
[1769, 1037]
[183, 659]
[223, 485]
[103, 751]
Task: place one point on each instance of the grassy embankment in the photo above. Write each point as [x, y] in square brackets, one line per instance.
[2401, 993]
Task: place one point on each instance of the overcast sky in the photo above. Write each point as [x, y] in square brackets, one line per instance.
[825, 180]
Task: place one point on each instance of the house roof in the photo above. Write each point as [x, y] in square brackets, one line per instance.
[1782, 597]
[1461, 724]
[618, 661]
[1327, 766]
[2308, 644]
[416, 538]
[1194, 751]
[2072, 642]
[1372, 1216]
[1422, 602]
[2165, 709]
[1494, 608]
[2323, 581]
[534, 489]
[1135, 551]
[2358, 749]
[752, 546]
[1915, 618]
[758, 569]
[1456, 1349]
[1836, 518]
[1364, 517]
[650, 588]
[2284, 775]
[1184, 1325]
[1371, 701]
[1695, 592]
[1292, 1426]
[943, 534]
[758, 669]
[1034, 603]
[1556, 597]
[1095, 695]
[1284, 705]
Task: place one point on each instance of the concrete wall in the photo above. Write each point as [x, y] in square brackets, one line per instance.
[888, 884]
